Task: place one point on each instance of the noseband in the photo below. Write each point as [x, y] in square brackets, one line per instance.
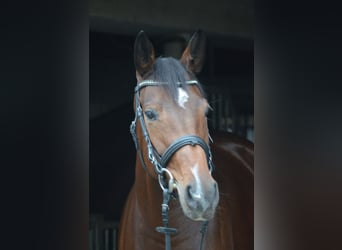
[160, 161]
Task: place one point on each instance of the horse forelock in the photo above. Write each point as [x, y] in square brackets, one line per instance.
[172, 71]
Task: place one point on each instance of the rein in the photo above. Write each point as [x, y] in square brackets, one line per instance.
[159, 161]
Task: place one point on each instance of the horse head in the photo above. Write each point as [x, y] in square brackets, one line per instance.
[173, 123]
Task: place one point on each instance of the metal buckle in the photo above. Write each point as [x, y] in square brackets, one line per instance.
[171, 184]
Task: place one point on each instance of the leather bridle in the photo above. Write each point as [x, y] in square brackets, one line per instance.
[160, 161]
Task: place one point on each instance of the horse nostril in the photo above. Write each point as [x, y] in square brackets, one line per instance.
[188, 191]
[192, 194]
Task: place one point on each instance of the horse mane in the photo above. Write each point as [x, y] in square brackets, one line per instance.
[172, 71]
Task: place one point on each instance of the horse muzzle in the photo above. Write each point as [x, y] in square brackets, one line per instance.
[199, 201]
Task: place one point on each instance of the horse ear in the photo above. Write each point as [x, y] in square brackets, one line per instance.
[143, 54]
[194, 54]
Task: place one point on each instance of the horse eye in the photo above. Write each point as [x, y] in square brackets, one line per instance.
[151, 115]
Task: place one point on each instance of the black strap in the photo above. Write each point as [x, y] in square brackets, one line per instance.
[192, 140]
[166, 230]
[203, 231]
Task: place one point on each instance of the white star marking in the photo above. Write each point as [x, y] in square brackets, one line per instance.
[182, 97]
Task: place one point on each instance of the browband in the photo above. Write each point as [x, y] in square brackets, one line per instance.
[146, 83]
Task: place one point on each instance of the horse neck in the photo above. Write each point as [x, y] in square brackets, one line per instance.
[148, 191]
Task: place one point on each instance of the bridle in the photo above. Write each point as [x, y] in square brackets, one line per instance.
[160, 161]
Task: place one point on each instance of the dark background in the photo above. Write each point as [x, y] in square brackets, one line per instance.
[45, 116]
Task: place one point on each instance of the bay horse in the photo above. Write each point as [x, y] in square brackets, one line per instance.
[192, 190]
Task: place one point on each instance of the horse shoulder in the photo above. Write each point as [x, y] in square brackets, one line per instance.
[233, 158]
[239, 150]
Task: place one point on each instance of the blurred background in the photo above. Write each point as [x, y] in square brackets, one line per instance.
[227, 77]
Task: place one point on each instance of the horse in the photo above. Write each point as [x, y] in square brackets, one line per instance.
[193, 188]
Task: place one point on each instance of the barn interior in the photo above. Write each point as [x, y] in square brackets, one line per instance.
[227, 77]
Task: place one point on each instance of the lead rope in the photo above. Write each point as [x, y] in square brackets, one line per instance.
[203, 230]
[165, 216]
[166, 230]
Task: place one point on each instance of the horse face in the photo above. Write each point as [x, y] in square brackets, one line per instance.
[166, 121]
[170, 116]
